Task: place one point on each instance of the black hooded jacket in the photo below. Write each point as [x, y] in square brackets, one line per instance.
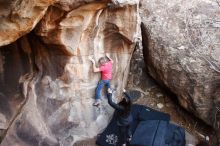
[123, 110]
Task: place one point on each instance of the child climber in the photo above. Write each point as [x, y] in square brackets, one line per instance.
[105, 67]
[123, 115]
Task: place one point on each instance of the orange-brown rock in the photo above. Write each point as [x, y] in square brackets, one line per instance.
[56, 78]
[19, 17]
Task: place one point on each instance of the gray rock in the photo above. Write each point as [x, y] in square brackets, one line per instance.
[181, 41]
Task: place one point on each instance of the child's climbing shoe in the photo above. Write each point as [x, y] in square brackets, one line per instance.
[96, 103]
[110, 91]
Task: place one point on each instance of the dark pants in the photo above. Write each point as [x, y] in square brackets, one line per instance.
[125, 132]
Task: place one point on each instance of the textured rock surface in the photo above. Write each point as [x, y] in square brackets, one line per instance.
[19, 17]
[53, 78]
[14, 62]
[181, 48]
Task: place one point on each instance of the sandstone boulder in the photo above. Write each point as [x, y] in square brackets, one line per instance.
[57, 84]
[19, 17]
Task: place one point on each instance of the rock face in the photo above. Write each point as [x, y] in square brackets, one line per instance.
[181, 48]
[19, 17]
[47, 81]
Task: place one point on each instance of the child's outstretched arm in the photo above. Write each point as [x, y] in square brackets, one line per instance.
[108, 56]
[95, 69]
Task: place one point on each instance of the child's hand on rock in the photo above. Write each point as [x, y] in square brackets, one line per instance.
[91, 59]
